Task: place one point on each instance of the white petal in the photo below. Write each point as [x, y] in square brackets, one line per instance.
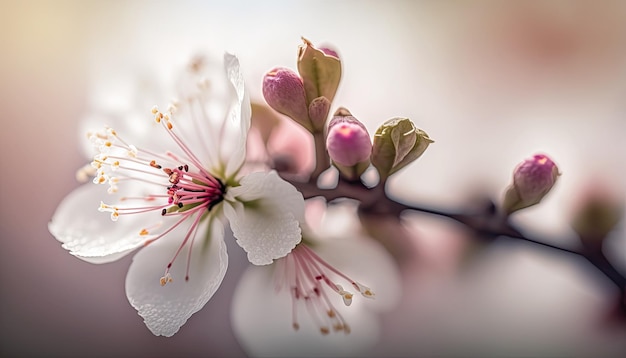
[273, 192]
[166, 308]
[262, 322]
[238, 122]
[123, 102]
[269, 228]
[91, 235]
[202, 100]
[338, 222]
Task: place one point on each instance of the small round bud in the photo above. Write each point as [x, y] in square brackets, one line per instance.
[532, 180]
[596, 215]
[284, 92]
[348, 143]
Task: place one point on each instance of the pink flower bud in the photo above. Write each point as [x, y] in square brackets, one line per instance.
[532, 180]
[348, 141]
[535, 177]
[284, 92]
[329, 51]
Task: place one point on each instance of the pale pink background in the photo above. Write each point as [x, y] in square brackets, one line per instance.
[492, 84]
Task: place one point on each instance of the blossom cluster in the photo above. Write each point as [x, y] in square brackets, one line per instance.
[167, 185]
[169, 191]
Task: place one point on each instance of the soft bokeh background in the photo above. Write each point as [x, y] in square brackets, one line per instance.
[492, 83]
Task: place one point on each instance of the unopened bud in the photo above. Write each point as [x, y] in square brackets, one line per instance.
[532, 180]
[396, 144]
[349, 145]
[329, 51]
[320, 70]
[597, 214]
[318, 113]
[284, 92]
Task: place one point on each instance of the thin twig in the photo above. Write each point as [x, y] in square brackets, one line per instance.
[487, 222]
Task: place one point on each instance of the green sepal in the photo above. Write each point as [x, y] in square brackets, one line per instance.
[397, 142]
[320, 72]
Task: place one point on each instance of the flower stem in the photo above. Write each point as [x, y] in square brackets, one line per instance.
[486, 222]
[322, 160]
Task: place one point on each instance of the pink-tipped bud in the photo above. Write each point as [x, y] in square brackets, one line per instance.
[329, 51]
[348, 143]
[532, 180]
[284, 92]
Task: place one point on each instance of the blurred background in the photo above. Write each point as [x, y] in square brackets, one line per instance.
[491, 83]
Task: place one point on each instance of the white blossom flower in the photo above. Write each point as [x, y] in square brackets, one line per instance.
[169, 186]
[297, 307]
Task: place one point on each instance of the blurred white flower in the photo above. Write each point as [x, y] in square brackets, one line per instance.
[170, 184]
[299, 305]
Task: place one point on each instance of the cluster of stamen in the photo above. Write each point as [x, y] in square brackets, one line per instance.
[182, 187]
[308, 277]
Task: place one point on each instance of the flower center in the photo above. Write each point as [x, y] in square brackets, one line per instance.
[189, 190]
[185, 190]
[171, 185]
